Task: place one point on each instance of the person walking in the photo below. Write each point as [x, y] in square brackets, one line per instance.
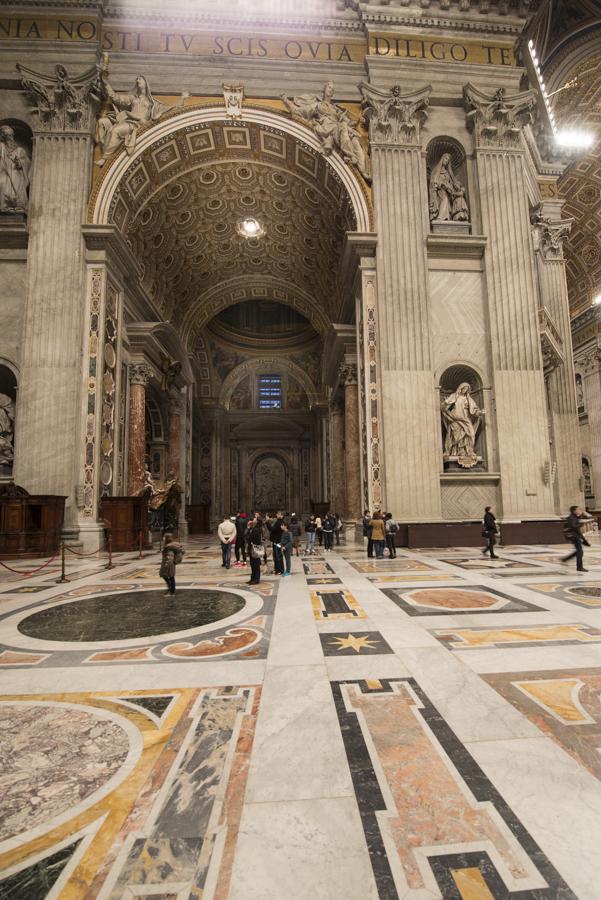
[310, 535]
[489, 531]
[227, 536]
[328, 532]
[240, 545]
[295, 530]
[275, 535]
[573, 532]
[172, 555]
[391, 527]
[378, 534]
[256, 549]
[286, 544]
[367, 533]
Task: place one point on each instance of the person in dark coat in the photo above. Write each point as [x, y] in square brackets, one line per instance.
[286, 543]
[254, 538]
[171, 556]
[573, 532]
[240, 545]
[367, 533]
[489, 531]
[275, 535]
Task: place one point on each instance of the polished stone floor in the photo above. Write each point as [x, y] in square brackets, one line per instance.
[423, 727]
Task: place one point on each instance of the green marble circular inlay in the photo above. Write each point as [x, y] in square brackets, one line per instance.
[117, 617]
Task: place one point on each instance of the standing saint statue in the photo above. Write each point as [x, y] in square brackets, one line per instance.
[119, 128]
[447, 194]
[332, 124]
[15, 164]
[461, 416]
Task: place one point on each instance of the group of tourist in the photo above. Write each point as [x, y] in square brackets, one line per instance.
[250, 535]
[380, 530]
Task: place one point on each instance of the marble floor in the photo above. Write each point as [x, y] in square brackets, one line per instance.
[423, 727]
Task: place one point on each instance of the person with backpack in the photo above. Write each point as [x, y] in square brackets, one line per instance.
[328, 531]
[172, 555]
[227, 537]
[489, 531]
[310, 534]
[391, 527]
[573, 531]
[240, 545]
[256, 549]
[286, 548]
[295, 530]
[378, 534]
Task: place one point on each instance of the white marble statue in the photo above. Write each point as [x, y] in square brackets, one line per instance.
[15, 164]
[119, 128]
[447, 194]
[332, 124]
[7, 429]
[461, 416]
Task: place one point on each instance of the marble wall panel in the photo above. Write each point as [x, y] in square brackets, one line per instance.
[458, 318]
[12, 291]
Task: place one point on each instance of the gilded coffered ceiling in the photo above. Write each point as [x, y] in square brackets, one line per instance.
[568, 40]
[180, 204]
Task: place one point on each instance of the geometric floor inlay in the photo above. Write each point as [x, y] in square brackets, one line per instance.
[534, 635]
[431, 601]
[442, 845]
[357, 643]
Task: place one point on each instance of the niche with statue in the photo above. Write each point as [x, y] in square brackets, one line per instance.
[447, 187]
[462, 420]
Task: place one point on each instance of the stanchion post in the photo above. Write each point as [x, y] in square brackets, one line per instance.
[63, 577]
[109, 547]
[140, 544]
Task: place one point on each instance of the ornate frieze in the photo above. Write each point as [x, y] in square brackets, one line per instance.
[140, 373]
[63, 103]
[233, 96]
[498, 119]
[347, 373]
[590, 362]
[551, 342]
[394, 117]
[95, 302]
[549, 236]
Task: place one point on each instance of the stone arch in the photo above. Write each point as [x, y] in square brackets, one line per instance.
[102, 197]
[265, 363]
[239, 290]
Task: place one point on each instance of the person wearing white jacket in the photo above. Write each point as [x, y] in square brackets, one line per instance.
[227, 536]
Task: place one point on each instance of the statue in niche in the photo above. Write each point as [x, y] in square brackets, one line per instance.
[332, 124]
[7, 430]
[461, 417]
[587, 478]
[447, 194]
[579, 392]
[119, 128]
[15, 165]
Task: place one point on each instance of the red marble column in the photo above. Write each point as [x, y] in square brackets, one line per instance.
[139, 376]
[352, 448]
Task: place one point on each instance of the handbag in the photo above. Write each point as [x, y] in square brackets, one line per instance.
[257, 551]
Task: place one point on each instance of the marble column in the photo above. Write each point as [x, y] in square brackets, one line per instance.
[352, 447]
[139, 376]
[338, 501]
[549, 236]
[589, 364]
[519, 388]
[409, 429]
[177, 408]
[49, 427]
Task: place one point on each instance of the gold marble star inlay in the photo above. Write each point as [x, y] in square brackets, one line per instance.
[353, 642]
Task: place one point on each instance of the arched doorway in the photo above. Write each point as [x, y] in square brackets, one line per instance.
[253, 311]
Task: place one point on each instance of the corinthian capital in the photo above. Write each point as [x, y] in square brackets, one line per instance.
[63, 103]
[549, 235]
[498, 119]
[347, 373]
[140, 373]
[394, 117]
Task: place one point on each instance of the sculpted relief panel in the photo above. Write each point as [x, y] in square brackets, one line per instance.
[269, 484]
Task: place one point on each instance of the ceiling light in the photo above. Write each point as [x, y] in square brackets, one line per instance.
[250, 228]
[597, 300]
[570, 137]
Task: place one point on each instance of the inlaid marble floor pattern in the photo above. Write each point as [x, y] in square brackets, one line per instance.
[425, 727]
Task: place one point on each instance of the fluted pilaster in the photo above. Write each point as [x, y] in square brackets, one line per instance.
[49, 423]
[519, 387]
[411, 432]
